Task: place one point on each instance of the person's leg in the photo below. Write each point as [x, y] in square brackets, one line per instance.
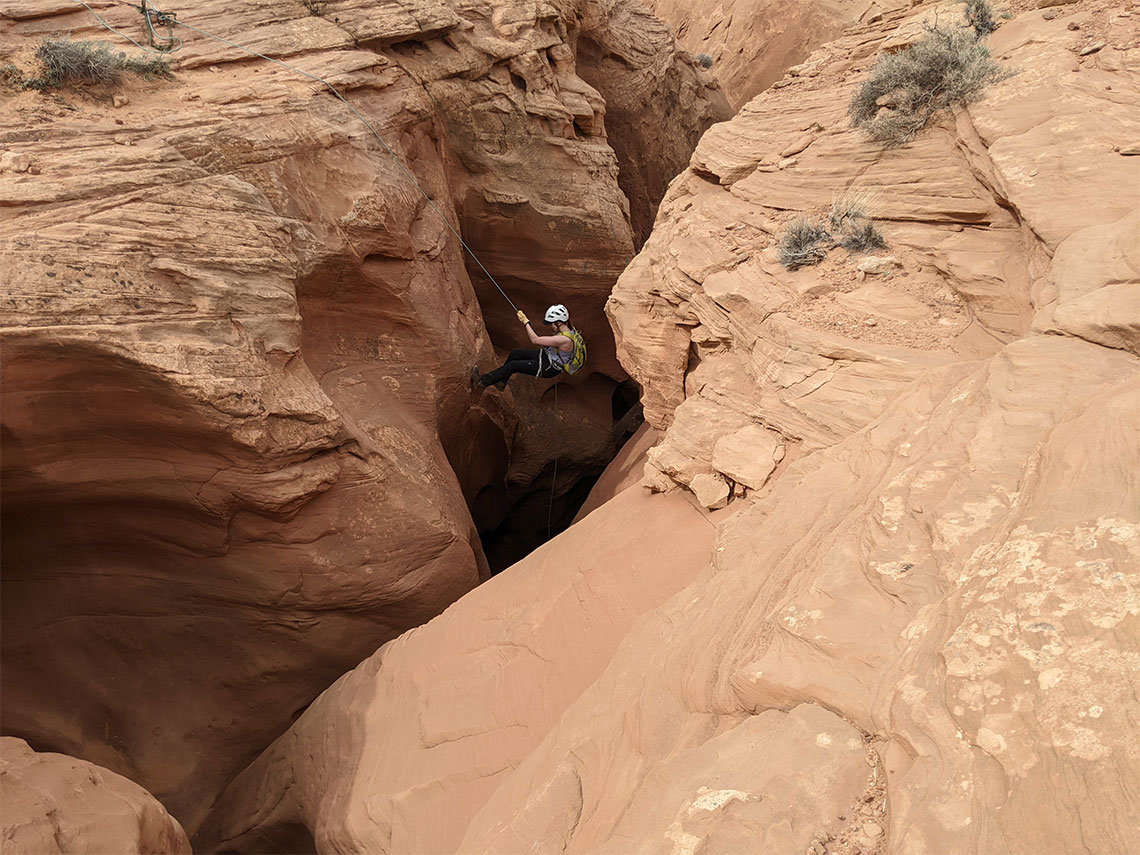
[521, 360]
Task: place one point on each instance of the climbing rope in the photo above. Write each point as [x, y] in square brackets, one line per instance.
[557, 447]
[169, 20]
[172, 43]
[120, 33]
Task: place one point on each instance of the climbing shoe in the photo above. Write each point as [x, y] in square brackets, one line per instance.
[477, 379]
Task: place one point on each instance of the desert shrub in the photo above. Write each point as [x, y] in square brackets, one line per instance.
[315, 7]
[805, 242]
[862, 237]
[11, 75]
[704, 60]
[980, 16]
[66, 61]
[948, 67]
[851, 206]
[848, 224]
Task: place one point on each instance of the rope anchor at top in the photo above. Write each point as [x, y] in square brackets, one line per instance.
[152, 16]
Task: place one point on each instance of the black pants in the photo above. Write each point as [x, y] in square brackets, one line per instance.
[522, 360]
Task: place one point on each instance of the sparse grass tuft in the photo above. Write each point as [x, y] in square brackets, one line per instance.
[807, 241]
[68, 61]
[316, 8]
[948, 67]
[863, 237]
[851, 206]
[804, 243]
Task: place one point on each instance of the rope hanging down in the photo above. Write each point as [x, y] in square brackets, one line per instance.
[170, 20]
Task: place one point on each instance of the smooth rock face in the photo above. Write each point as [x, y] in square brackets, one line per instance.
[239, 438]
[57, 804]
[401, 753]
[625, 470]
[927, 615]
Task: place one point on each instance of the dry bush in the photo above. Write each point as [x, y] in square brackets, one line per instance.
[805, 242]
[851, 206]
[948, 67]
[862, 237]
[67, 61]
[848, 224]
[11, 75]
[980, 16]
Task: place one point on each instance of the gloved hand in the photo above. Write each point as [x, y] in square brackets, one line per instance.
[523, 318]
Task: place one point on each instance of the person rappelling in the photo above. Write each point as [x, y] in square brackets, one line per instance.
[563, 351]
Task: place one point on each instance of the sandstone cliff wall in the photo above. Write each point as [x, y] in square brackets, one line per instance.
[916, 629]
[751, 43]
[239, 440]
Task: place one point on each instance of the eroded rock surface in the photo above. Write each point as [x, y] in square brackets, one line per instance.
[57, 804]
[749, 44]
[722, 337]
[238, 431]
[918, 628]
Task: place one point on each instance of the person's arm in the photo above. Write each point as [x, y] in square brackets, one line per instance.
[560, 341]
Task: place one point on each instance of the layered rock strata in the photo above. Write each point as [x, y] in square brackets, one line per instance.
[239, 440]
[917, 627]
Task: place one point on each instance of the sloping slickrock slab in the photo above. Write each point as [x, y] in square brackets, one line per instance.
[623, 472]
[1094, 285]
[958, 581]
[1056, 140]
[399, 754]
[57, 804]
[238, 428]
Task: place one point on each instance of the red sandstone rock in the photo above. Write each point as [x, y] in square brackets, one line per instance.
[925, 618]
[238, 432]
[400, 754]
[57, 804]
[751, 43]
[626, 470]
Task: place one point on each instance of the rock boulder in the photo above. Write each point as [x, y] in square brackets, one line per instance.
[57, 804]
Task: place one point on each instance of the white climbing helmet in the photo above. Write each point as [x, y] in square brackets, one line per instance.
[556, 314]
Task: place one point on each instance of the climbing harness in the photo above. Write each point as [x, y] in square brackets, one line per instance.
[570, 362]
[578, 358]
